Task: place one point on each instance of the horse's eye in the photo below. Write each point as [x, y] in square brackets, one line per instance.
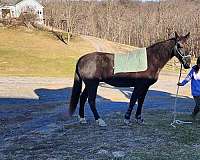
[179, 45]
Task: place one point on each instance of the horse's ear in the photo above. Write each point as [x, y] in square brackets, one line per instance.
[176, 35]
[188, 35]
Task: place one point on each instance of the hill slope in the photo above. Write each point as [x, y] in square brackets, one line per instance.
[26, 52]
[36, 53]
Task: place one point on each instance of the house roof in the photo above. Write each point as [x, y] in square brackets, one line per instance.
[17, 1]
[11, 2]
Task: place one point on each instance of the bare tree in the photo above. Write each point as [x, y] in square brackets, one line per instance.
[126, 21]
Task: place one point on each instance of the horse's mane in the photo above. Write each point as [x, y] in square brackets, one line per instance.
[161, 42]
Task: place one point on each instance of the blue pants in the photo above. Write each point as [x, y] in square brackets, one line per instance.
[197, 105]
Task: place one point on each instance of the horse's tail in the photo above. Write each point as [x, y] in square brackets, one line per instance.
[76, 90]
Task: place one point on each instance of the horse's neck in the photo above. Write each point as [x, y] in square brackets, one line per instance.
[161, 53]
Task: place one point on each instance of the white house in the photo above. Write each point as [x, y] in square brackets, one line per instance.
[14, 9]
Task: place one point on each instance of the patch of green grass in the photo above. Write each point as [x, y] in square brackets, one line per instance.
[165, 153]
[166, 141]
[155, 140]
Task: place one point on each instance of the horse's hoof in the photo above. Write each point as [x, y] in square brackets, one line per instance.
[101, 122]
[140, 121]
[127, 121]
[82, 120]
[193, 117]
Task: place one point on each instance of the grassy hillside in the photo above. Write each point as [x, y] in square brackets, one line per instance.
[36, 53]
[26, 52]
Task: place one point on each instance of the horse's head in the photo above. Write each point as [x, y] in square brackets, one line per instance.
[181, 50]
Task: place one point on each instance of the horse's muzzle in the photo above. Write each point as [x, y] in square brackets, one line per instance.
[186, 61]
[186, 66]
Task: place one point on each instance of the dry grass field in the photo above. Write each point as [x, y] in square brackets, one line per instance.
[26, 52]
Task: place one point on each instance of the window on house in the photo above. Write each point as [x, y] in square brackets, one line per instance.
[6, 13]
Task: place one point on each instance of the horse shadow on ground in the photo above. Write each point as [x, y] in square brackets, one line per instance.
[48, 97]
[20, 116]
[163, 100]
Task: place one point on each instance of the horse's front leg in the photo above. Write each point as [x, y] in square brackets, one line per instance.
[141, 98]
[139, 94]
[133, 100]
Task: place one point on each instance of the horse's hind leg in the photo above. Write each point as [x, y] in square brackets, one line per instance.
[92, 93]
[83, 99]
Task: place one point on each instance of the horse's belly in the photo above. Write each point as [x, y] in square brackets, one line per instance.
[121, 82]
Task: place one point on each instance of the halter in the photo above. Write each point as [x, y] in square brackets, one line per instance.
[184, 57]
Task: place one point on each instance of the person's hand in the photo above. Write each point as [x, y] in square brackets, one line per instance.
[179, 84]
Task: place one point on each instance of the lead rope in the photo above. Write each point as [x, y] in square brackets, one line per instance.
[176, 121]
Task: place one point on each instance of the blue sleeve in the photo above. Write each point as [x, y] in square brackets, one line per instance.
[188, 77]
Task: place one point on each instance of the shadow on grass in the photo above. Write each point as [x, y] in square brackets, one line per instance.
[154, 99]
[52, 105]
[34, 127]
[163, 100]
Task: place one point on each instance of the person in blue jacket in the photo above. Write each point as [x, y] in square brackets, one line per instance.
[194, 76]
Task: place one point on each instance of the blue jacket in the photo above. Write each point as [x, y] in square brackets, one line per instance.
[195, 81]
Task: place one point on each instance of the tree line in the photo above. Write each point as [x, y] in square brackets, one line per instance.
[127, 21]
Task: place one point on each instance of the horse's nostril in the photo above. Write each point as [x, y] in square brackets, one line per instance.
[187, 66]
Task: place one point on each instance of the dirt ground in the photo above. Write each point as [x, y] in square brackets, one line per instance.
[34, 123]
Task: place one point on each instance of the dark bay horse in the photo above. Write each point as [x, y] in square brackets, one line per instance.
[97, 67]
